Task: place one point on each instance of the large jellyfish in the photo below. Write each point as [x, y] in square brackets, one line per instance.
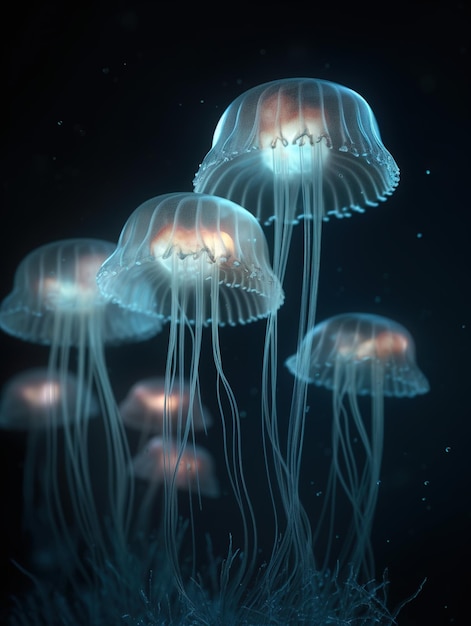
[299, 149]
[291, 150]
[353, 355]
[55, 302]
[195, 261]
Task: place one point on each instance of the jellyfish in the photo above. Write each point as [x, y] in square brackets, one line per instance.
[143, 411]
[145, 405]
[355, 355]
[297, 150]
[159, 462]
[195, 261]
[29, 402]
[55, 302]
[194, 469]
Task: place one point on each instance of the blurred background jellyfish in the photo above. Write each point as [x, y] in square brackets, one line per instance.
[291, 150]
[55, 302]
[29, 399]
[354, 355]
[143, 411]
[145, 405]
[31, 402]
[194, 469]
[159, 462]
[195, 261]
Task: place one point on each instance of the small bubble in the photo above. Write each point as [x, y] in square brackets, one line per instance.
[427, 172]
[448, 449]
[419, 235]
[105, 70]
[426, 482]
[318, 493]
[59, 123]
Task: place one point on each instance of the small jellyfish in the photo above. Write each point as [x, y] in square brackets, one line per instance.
[354, 355]
[37, 401]
[190, 470]
[32, 398]
[146, 404]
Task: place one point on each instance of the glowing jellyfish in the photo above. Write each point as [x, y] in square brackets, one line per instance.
[299, 148]
[192, 471]
[353, 355]
[160, 462]
[31, 402]
[31, 399]
[55, 301]
[195, 261]
[146, 404]
[290, 150]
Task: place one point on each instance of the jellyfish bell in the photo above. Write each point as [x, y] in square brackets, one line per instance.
[196, 249]
[162, 467]
[185, 246]
[285, 129]
[35, 402]
[77, 291]
[146, 404]
[352, 355]
[360, 350]
[55, 300]
[191, 470]
[32, 398]
[312, 130]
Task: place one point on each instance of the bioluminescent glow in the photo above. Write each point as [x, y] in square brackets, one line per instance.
[195, 261]
[352, 355]
[203, 275]
[55, 301]
[297, 150]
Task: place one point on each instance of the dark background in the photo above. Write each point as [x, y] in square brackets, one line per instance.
[111, 104]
